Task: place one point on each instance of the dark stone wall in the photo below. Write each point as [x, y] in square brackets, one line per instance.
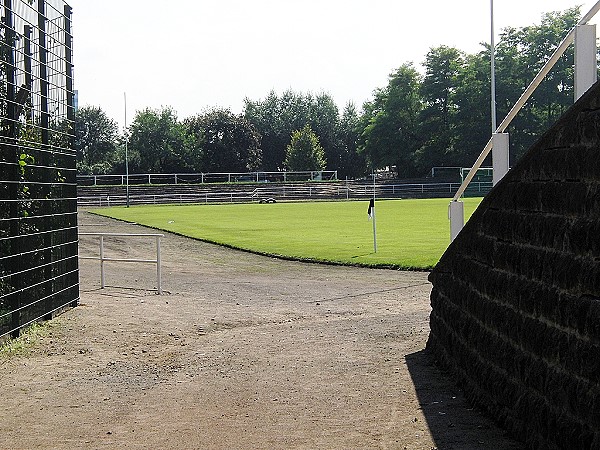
[516, 297]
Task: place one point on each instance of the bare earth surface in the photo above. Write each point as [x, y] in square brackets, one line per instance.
[241, 351]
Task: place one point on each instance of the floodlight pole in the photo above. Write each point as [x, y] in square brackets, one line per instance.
[126, 155]
[493, 67]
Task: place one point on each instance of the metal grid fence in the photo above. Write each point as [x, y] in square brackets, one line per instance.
[38, 190]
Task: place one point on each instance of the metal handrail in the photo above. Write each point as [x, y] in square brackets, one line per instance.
[102, 258]
[177, 178]
[347, 191]
[524, 97]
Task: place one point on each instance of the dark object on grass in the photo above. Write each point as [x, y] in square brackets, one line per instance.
[267, 200]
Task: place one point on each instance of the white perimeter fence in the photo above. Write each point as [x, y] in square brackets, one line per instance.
[317, 191]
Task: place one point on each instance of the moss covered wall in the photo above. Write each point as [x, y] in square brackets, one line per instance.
[516, 297]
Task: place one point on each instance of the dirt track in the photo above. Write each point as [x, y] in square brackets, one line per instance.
[242, 351]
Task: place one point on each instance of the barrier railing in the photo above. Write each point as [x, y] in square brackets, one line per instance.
[455, 209]
[102, 258]
[325, 191]
[211, 177]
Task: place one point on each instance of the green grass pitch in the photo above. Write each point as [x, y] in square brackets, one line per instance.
[411, 234]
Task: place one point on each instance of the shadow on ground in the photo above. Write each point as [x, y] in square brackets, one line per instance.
[452, 421]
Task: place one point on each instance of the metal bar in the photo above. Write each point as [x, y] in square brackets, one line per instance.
[158, 267]
[97, 258]
[9, 124]
[120, 234]
[69, 69]
[102, 284]
[27, 31]
[493, 67]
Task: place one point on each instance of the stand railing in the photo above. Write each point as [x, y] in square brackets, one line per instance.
[584, 36]
[202, 177]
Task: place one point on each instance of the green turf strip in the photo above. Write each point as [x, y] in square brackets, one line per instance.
[411, 234]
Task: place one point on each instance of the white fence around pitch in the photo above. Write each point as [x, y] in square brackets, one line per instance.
[102, 258]
[202, 178]
[318, 191]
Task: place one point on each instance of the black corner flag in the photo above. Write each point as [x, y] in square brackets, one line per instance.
[371, 206]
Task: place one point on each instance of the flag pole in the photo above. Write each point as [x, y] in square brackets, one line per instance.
[374, 220]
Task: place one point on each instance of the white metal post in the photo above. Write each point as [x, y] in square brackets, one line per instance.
[374, 229]
[585, 59]
[456, 214]
[158, 267]
[102, 262]
[500, 157]
[373, 216]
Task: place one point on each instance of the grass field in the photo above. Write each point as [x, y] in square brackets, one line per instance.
[411, 234]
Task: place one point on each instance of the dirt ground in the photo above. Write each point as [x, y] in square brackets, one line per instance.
[240, 352]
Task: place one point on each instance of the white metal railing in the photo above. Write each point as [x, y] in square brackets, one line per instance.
[208, 177]
[321, 191]
[456, 212]
[102, 258]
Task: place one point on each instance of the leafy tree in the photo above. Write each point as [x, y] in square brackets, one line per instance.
[220, 141]
[472, 118]
[156, 142]
[442, 67]
[304, 151]
[276, 117]
[519, 56]
[324, 120]
[351, 163]
[271, 117]
[96, 137]
[390, 123]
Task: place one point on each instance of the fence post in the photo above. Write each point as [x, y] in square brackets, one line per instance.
[158, 267]
[456, 214]
[102, 262]
[500, 146]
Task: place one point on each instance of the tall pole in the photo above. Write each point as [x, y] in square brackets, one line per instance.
[126, 155]
[373, 216]
[493, 67]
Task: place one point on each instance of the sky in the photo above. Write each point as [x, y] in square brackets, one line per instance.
[193, 55]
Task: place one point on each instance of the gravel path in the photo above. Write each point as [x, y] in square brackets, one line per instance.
[241, 351]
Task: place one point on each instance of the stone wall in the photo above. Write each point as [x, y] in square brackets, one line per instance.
[516, 297]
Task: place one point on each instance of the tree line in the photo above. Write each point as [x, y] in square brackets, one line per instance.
[438, 117]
